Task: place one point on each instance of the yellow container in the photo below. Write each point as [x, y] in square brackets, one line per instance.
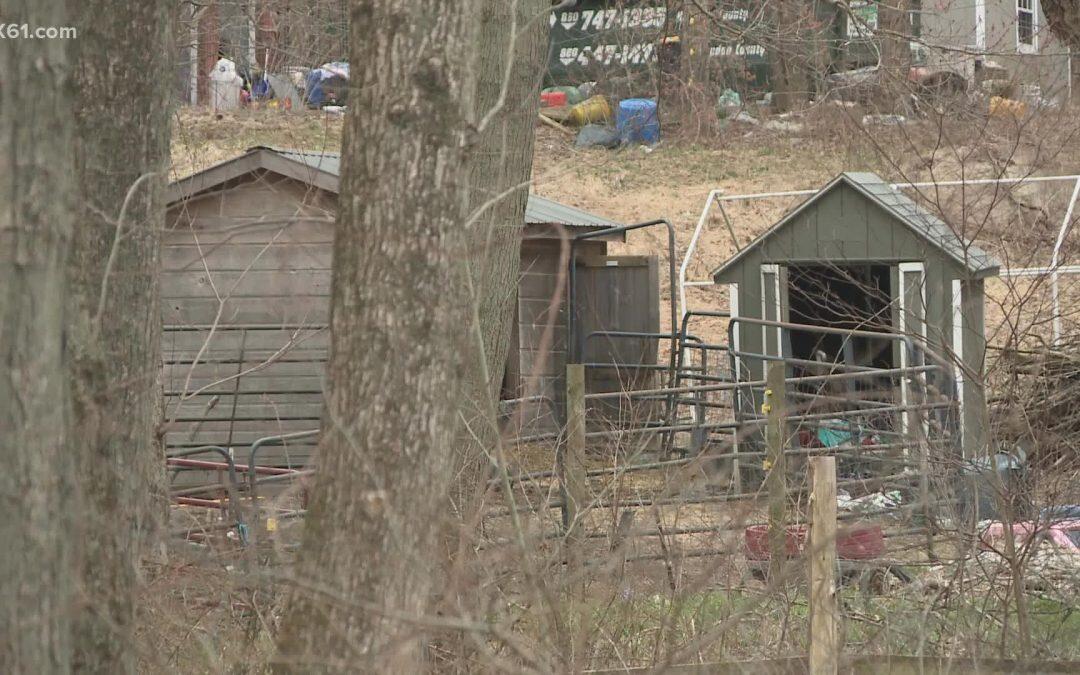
[592, 110]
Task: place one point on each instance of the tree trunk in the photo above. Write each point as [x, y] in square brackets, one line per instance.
[1063, 17]
[894, 27]
[698, 100]
[121, 156]
[365, 580]
[500, 163]
[37, 214]
[787, 57]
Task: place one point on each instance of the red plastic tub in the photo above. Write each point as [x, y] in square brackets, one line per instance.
[863, 542]
[757, 541]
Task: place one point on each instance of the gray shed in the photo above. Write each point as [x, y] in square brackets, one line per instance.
[246, 268]
[860, 254]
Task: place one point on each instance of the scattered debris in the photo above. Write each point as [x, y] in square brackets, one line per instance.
[746, 117]
[874, 502]
[1007, 107]
[592, 110]
[637, 121]
[554, 124]
[593, 135]
[884, 120]
[729, 99]
[785, 126]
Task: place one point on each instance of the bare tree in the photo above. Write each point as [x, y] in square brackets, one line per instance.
[121, 155]
[365, 579]
[509, 67]
[36, 220]
[1064, 19]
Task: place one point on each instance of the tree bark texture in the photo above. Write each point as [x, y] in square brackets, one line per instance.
[510, 58]
[894, 26]
[37, 214]
[122, 154]
[788, 55]
[1063, 17]
[364, 589]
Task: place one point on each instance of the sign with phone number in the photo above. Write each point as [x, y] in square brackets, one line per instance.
[594, 37]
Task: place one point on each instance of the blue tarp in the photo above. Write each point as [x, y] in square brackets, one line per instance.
[327, 83]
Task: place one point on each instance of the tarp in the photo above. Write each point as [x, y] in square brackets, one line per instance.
[328, 84]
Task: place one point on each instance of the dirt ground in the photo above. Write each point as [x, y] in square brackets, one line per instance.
[673, 179]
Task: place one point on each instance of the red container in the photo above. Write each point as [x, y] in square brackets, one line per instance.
[757, 541]
[553, 99]
[864, 542]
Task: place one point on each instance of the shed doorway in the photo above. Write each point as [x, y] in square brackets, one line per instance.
[848, 296]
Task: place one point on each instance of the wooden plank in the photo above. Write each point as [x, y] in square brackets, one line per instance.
[824, 623]
[776, 469]
[532, 334]
[269, 310]
[235, 257]
[251, 284]
[213, 230]
[537, 286]
[538, 312]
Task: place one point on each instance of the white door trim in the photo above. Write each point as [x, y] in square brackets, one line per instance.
[774, 269]
[958, 348]
[905, 394]
[736, 395]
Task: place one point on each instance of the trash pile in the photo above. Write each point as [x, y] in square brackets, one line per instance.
[325, 87]
[630, 121]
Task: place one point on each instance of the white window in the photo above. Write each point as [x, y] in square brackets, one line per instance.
[1027, 26]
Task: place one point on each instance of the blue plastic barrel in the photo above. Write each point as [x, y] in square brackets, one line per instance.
[637, 122]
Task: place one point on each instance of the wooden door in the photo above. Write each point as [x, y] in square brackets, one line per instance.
[617, 293]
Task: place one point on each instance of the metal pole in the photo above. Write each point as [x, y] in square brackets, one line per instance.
[691, 248]
[1054, 260]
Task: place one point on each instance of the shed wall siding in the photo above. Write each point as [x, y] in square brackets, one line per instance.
[265, 247]
[543, 371]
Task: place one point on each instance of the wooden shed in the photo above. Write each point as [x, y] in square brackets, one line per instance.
[860, 254]
[246, 269]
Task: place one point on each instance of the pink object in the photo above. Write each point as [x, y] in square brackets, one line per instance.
[1063, 533]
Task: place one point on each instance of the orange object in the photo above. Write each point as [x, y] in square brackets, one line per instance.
[1001, 107]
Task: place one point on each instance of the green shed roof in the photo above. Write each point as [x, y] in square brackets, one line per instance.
[323, 169]
[903, 209]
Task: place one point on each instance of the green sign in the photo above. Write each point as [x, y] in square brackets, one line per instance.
[598, 39]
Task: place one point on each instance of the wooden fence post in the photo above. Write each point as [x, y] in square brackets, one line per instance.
[575, 496]
[775, 468]
[572, 464]
[824, 628]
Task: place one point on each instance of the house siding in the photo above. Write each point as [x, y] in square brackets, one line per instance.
[950, 33]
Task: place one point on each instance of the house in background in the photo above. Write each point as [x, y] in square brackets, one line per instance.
[245, 284]
[967, 35]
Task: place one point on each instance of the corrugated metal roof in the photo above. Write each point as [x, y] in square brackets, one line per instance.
[919, 220]
[538, 210]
